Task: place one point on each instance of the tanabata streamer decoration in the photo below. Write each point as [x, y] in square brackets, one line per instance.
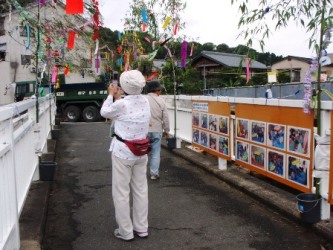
[192, 48]
[144, 16]
[27, 43]
[54, 74]
[71, 39]
[166, 23]
[74, 7]
[307, 86]
[183, 54]
[248, 76]
[175, 29]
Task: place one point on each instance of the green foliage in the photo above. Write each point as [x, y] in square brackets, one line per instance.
[283, 77]
[313, 15]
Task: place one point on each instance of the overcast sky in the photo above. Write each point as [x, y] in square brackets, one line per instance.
[216, 21]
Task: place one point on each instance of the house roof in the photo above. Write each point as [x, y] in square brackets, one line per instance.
[228, 59]
[299, 58]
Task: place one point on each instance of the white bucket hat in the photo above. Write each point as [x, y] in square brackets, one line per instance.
[132, 82]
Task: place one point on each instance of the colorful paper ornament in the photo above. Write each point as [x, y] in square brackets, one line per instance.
[183, 54]
[74, 7]
[27, 43]
[71, 39]
[166, 23]
[144, 15]
[192, 49]
[175, 29]
[248, 76]
[54, 74]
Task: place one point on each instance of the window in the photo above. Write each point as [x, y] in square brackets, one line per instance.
[2, 56]
[2, 26]
[25, 59]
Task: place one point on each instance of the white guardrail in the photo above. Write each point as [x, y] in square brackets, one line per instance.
[22, 141]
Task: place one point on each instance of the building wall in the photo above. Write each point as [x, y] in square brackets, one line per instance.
[12, 69]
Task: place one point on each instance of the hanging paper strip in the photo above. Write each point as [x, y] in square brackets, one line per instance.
[152, 55]
[166, 23]
[74, 7]
[147, 39]
[143, 27]
[175, 29]
[71, 39]
[192, 48]
[27, 43]
[144, 15]
[42, 2]
[54, 74]
[66, 71]
[119, 36]
[183, 54]
[247, 70]
[97, 64]
[152, 76]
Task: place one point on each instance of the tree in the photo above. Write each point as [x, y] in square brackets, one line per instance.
[315, 16]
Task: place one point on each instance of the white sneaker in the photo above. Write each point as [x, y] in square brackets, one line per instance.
[119, 236]
[154, 177]
[141, 234]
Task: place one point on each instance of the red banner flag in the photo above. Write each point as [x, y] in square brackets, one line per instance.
[74, 6]
[71, 39]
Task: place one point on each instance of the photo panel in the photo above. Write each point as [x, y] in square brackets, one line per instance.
[276, 163]
[276, 136]
[223, 125]
[213, 142]
[203, 120]
[242, 151]
[212, 122]
[299, 140]
[258, 156]
[223, 145]
[203, 138]
[242, 129]
[196, 136]
[298, 170]
[195, 119]
[258, 132]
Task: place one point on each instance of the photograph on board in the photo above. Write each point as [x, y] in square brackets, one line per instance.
[258, 132]
[224, 145]
[258, 156]
[203, 120]
[275, 163]
[298, 169]
[224, 125]
[276, 136]
[195, 119]
[242, 151]
[213, 142]
[195, 136]
[298, 140]
[203, 138]
[242, 129]
[212, 125]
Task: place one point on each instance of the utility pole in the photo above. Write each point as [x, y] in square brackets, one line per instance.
[37, 51]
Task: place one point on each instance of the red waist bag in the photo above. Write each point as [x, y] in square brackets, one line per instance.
[138, 147]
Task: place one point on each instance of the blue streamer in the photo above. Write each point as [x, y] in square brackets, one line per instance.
[144, 15]
[27, 42]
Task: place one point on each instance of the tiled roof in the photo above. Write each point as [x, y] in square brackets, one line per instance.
[230, 60]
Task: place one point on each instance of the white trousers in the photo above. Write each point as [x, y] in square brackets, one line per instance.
[130, 176]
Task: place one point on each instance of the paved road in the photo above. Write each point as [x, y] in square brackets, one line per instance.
[188, 207]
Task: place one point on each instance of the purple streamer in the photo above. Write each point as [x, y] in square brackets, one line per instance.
[183, 54]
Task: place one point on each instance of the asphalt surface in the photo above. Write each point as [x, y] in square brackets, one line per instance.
[193, 206]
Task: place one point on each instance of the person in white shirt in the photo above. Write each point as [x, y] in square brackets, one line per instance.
[131, 116]
[268, 93]
[158, 127]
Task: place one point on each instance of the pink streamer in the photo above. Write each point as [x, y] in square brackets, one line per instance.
[54, 74]
[183, 54]
[247, 70]
[192, 48]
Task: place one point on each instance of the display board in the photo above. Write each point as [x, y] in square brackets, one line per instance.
[211, 128]
[276, 142]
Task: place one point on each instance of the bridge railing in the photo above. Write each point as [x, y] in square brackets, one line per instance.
[22, 141]
[254, 113]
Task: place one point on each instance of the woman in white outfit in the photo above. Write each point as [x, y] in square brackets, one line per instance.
[131, 116]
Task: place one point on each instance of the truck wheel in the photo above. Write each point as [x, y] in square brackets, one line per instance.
[91, 114]
[73, 113]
